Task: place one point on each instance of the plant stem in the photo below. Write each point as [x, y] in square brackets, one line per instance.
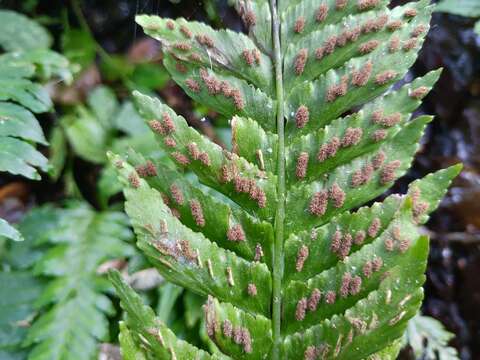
[105, 56]
[77, 10]
[280, 214]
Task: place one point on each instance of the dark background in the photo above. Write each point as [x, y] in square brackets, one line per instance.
[453, 285]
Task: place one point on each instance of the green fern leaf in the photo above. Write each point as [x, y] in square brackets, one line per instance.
[9, 231]
[73, 306]
[178, 192]
[28, 61]
[129, 349]
[145, 328]
[271, 232]
[20, 289]
[429, 339]
[21, 33]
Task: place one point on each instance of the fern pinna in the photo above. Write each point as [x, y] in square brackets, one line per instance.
[271, 231]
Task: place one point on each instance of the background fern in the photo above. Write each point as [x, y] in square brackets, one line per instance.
[429, 339]
[292, 270]
[27, 60]
[57, 306]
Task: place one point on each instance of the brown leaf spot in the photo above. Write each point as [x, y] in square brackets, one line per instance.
[318, 204]
[314, 299]
[301, 116]
[409, 44]
[321, 13]
[252, 290]
[186, 32]
[157, 127]
[409, 13]
[236, 233]
[379, 135]
[345, 285]
[134, 180]
[337, 195]
[368, 46]
[182, 46]
[300, 61]
[193, 85]
[359, 237]
[367, 269]
[301, 309]
[377, 264]
[385, 77]
[299, 25]
[378, 160]
[258, 252]
[355, 285]
[338, 90]
[419, 93]
[374, 227]
[340, 4]
[367, 4]
[388, 172]
[351, 137]
[170, 25]
[227, 329]
[419, 30]
[336, 241]
[302, 164]
[330, 297]
[360, 77]
[197, 212]
[170, 142]
[394, 25]
[205, 40]
[394, 44]
[177, 194]
[302, 256]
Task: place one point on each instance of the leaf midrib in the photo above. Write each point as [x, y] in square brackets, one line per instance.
[278, 258]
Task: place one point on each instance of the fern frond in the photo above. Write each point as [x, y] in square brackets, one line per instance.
[155, 336]
[27, 62]
[378, 122]
[73, 306]
[429, 339]
[226, 172]
[228, 225]
[271, 232]
[8, 231]
[319, 201]
[189, 258]
[20, 33]
[20, 289]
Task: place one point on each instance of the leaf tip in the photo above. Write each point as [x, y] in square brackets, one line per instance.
[455, 170]
[143, 20]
